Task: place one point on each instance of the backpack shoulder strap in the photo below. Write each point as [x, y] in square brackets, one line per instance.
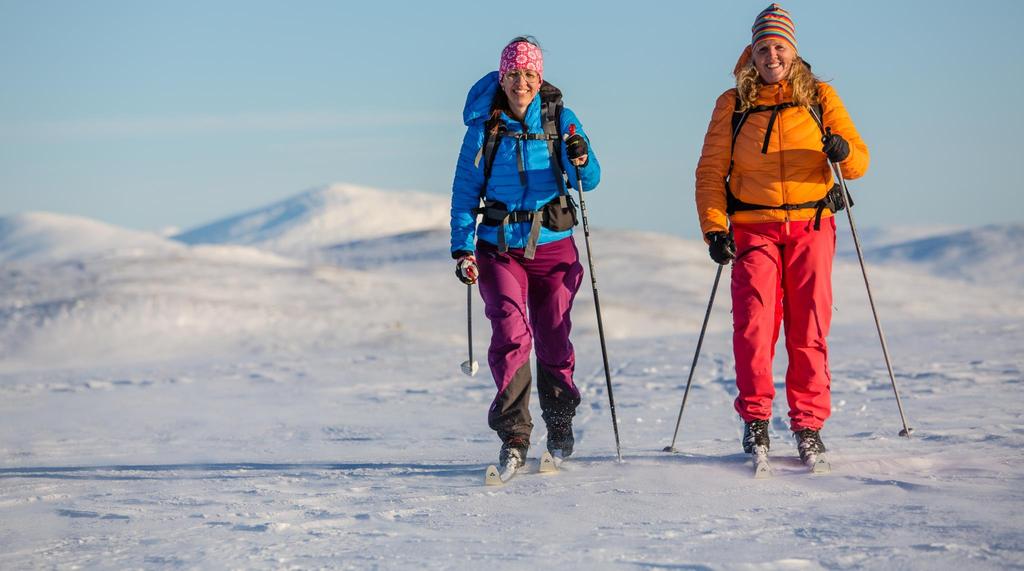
[551, 119]
[816, 110]
[738, 118]
[551, 116]
[493, 130]
[819, 116]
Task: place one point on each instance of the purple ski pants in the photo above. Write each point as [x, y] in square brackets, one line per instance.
[528, 303]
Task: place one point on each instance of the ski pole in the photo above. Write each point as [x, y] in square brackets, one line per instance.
[470, 367]
[696, 354]
[597, 306]
[867, 284]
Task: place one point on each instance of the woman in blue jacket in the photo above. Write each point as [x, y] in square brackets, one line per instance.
[522, 254]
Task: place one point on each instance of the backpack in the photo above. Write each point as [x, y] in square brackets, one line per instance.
[559, 214]
[832, 200]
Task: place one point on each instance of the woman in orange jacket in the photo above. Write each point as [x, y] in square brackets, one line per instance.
[765, 197]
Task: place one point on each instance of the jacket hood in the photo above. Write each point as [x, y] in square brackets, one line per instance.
[744, 59]
[479, 99]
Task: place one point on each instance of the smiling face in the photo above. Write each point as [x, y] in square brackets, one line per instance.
[520, 86]
[773, 59]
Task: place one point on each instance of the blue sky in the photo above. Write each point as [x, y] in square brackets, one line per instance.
[157, 114]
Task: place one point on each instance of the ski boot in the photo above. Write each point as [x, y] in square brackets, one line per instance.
[560, 438]
[756, 443]
[808, 442]
[755, 434]
[513, 450]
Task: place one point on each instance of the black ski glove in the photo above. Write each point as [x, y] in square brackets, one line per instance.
[835, 146]
[721, 246]
[576, 147]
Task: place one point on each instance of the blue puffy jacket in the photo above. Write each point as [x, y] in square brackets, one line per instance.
[504, 184]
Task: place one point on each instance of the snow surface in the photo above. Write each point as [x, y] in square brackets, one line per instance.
[217, 405]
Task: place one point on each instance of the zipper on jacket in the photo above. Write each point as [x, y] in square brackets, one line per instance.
[782, 161]
[522, 173]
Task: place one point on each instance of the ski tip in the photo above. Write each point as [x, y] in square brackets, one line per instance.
[492, 477]
[548, 464]
[821, 466]
[762, 468]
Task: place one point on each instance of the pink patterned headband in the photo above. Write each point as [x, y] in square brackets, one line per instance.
[521, 55]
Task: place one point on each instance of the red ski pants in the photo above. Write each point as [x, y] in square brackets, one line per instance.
[783, 274]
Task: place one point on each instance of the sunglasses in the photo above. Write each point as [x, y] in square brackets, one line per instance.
[527, 74]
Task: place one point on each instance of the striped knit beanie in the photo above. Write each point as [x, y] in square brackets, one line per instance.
[773, 22]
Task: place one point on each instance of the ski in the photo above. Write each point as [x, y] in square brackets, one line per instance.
[762, 468]
[818, 464]
[494, 477]
[549, 464]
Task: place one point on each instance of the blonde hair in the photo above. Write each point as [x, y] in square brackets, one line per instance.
[804, 82]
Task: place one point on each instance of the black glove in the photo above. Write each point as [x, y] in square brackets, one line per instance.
[835, 146]
[576, 147]
[721, 246]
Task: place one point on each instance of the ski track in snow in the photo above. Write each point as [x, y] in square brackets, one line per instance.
[314, 416]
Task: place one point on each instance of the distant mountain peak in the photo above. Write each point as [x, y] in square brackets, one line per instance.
[325, 216]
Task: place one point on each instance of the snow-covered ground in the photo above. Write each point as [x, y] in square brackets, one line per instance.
[284, 392]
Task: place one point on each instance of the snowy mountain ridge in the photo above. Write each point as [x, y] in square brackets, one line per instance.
[325, 216]
[46, 236]
[988, 254]
[79, 289]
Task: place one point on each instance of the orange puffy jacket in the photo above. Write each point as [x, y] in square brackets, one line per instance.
[793, 171]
